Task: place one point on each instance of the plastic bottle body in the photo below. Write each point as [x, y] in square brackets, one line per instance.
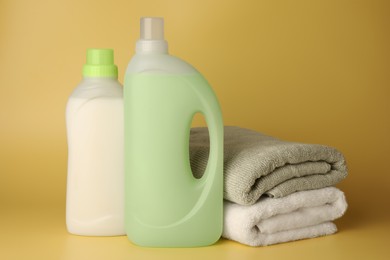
[165, 205]
[95, 189]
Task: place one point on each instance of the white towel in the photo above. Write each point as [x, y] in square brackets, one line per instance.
[300, 215]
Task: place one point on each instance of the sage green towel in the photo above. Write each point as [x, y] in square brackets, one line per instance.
[257, 164]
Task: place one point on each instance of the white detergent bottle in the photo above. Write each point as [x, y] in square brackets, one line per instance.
[94, 120]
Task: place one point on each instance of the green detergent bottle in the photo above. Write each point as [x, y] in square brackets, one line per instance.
[165, 205]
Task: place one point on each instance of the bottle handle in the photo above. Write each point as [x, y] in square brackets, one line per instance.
[211, 111]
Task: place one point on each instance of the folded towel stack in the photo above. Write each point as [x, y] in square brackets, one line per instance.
[275, 191]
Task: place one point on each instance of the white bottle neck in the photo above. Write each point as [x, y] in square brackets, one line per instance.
[101, 79]
[151, 47]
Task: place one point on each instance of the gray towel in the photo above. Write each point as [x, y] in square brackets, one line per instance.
[257, 164]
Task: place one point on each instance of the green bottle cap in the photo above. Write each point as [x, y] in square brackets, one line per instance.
[100, 63]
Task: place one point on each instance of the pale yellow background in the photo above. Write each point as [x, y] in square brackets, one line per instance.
[307, 71]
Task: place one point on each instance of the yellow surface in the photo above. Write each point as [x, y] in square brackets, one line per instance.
[308, 71]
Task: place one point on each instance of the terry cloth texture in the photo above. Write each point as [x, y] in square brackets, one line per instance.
[257, 164]
[301, 215]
